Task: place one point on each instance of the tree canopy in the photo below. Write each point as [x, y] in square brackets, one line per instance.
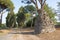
[50, 12]
[6, 4]
[21, 16]
[11, 20]
[43, 22]
[58, 11]
[30, 8]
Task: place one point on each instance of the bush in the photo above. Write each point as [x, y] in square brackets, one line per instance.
[58, 23]
[3, 26]
[28, 24]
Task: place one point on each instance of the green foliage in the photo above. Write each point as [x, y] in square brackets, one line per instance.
[58, 23]
[3, 26]
[22, 10]
[27, 15]
[21, 16]
[7, 4]
[28, 21]
[58, 5]
[58, 10]
[50, 13]
[47, 9]
[24, 15]
[11, 20]
[28, 24]
[30, 8]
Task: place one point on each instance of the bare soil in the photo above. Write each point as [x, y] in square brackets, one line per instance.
[27, 34]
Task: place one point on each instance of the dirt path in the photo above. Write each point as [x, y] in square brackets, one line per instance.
[19, 36]
[27, 35]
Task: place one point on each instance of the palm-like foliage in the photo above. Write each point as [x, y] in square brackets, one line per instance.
[6, 4]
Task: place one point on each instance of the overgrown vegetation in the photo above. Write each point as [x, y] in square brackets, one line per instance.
[24, 16]
[11, 20]
[21, 17]
[5, 4]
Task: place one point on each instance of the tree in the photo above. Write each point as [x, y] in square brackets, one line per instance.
[11, 20]
[58, 11]
[24, 14]
[43, 22]
[5, 4]
[21, 16]
[49, 11]
[31, 9]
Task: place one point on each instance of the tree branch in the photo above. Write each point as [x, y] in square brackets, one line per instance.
[44, 2]
[33, 1]
[36, 5]
[40, 1]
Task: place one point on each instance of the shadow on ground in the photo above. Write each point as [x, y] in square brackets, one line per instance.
[24, 33]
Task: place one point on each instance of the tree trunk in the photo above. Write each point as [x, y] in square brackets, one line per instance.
[0, 18]
[43, 23]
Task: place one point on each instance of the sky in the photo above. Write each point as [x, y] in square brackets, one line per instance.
[18, 4]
